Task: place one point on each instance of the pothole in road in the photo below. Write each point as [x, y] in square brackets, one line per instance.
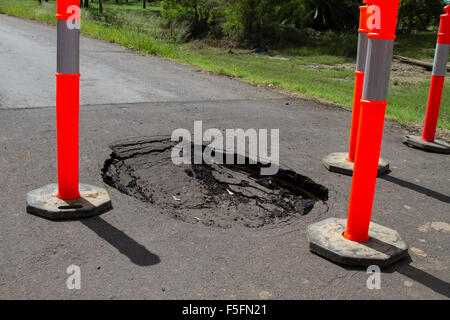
[215, 195]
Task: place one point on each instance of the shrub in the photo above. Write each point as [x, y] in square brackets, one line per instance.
[201, 16]
[261, 21]
[419, 14]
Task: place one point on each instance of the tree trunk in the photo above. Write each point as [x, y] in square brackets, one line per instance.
[143, 1]
[100, 6]
[86, 3]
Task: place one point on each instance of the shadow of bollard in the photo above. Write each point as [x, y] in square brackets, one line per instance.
[405, 268]
[417, 188]
[127, 246]
[437, 285]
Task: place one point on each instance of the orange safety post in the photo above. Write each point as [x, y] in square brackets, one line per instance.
[343, 162]
[67, 99]
[381, 20]
[437, 78]
[350, 241]
[427, 141]
[67, 199]
[359, 80]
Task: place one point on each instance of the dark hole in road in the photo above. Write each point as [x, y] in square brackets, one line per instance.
[215, 195]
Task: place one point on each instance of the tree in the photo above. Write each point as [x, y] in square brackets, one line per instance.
[336, 15]
[419, 14]
[262, 21]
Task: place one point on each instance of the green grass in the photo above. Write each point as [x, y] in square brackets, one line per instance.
[331, 85]
[313, 70]
[418, 45]
[130, 6]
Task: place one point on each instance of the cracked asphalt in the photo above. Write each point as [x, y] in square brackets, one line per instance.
[213, 194]
[134, 251]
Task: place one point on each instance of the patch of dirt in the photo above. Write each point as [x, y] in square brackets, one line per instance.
[215, 195]
[401, 72]
[409, 73]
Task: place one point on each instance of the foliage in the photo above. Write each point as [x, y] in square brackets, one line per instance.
[419, 14]
[200, 15]
[260, 21]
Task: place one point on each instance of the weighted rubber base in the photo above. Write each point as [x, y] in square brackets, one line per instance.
[437, 146]
[383, 248]
[337, 162]
[44, 202]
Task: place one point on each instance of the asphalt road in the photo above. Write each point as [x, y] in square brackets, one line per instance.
[109, 74]
[134, 251]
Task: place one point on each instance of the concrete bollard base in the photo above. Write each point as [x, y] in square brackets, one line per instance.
[44, 202]
[437, 146]
[383, 248]
[337, 162]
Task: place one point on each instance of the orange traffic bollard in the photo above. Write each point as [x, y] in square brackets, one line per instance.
[67, 199]
[359, 80]
[351, 241]
[427, 141]
[67, 97]
[342, 162]
[373, 107]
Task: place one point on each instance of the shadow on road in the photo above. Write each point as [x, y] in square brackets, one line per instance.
[405, 268]
[136, 252]
[417, 188]
[426, 279]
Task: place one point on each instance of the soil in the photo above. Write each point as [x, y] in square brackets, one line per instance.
[215, 195]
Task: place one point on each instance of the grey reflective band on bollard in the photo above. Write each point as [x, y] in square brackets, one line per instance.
[378, 69]
[68, 49]
[440, 59]
[361, 57]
